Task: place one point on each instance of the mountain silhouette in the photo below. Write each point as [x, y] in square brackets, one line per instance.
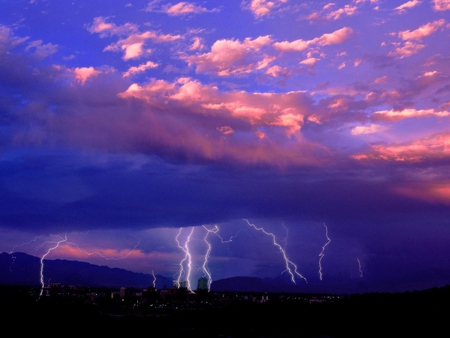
[23, 269]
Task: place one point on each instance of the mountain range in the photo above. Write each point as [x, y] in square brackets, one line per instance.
[23, 269]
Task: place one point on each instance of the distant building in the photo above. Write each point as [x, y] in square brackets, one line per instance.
[122, 292]
[180, 284]
[202, 283]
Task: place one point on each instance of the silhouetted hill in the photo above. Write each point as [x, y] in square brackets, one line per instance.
[22, 269]
[420, 280]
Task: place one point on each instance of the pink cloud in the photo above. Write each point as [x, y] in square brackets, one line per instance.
[133, 44]
[293, 46]
[277, 71]
[407, 49]
[328, 14]
[434, 192]
[434, 147]
[347, 10]
[263, 7]
[258, 109]
[73, 251]
[311, 61]
[197, 44]
[183, 8]
[382, 79]
[84, 73]
[104, 28]
[422, 31]
[226, 130]
[441, 5]
[407, 5]
[228, 57]
[335, 37]
[362, 130]
[394, 116]
[189, 118]
[140, 68]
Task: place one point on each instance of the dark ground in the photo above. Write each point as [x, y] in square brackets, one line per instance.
[411, 314]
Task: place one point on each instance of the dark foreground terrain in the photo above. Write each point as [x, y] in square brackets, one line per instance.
[105, 311]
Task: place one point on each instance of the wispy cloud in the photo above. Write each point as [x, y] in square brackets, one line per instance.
[408, 5]
[183, 8]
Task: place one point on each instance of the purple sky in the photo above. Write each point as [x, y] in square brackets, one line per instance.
[121, 122]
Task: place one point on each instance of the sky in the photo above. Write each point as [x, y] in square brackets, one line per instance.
[314, 128]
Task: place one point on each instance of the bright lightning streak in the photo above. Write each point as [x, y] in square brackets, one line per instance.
[187, 257]
[359, 268]
[154, 279]
[19, 245]
[55, 246]
[321, 255]
[208, 252]
[292, 271]
[215, 231]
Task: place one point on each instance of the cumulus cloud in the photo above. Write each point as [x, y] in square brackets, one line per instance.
[407, 49]
[329, 13]
[259, 109]
[133, 42]
[83, 73]
[311, 61]
[133, 45]
[228, 57]
[260, 8]
[422, 31]
[441, 5]
[346, 10]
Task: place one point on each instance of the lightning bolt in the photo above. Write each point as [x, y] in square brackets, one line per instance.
[208, 252]
[321, 255]
[187, 257]
[154, 279]
[55, 244]
[215, 231]
[19, 245]
[359, 268]
[292, 271]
